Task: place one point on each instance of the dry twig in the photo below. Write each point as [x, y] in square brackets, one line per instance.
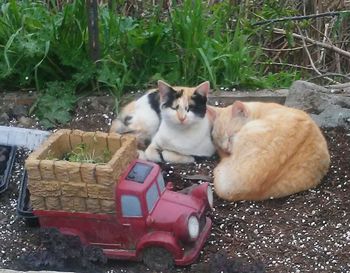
[284, 49]
[310, 58]
[321, 44]
[298, 18]
[308, 52]
[330, 75]
[339, 86]
[285, 64]
[325, 36]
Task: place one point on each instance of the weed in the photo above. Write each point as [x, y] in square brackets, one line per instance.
[55, 104]
[42, 46]
[84, 154]
[282, 79]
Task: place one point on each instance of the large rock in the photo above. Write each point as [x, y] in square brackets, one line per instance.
[327, 107]
[333, 116]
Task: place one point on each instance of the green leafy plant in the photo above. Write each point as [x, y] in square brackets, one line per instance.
[83, 153]
[55, 104]
[282, 79]
[44, 45]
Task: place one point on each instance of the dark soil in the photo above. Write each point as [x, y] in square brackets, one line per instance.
[4, 156]
[306, 232]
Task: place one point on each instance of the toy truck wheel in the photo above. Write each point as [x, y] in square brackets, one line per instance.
[158, 258]
[95, 254]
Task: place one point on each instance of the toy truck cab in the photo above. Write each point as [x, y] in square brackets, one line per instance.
[151, 222]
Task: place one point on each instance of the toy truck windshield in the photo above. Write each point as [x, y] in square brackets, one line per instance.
[139, 172]
[131, 206]
[142, 188]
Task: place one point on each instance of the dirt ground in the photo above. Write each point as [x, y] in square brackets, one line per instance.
[306, 232]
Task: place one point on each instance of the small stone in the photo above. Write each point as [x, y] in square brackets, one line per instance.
[4, 118]
[26, 122]
[20, 110]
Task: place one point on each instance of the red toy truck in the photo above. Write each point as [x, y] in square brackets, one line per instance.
[151, 222]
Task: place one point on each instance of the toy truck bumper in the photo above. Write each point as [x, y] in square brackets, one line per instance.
[191, 254]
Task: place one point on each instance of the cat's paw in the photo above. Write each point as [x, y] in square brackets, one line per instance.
[152, 154]
[173, 157]
[142, 155]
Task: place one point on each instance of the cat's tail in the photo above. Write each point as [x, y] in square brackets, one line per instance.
[119, 127]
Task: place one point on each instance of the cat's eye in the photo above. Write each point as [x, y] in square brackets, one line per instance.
[230, 137]
[127, 120]
[175, 108]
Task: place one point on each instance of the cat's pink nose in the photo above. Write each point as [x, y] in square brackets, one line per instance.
[182, 119]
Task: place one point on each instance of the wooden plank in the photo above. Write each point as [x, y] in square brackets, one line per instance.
[45, 189]
[76, 138]
[104, 175]
[38, 202]
[33, 169]
[88, 173]
[79, 204]
[67, 203]
[108, 206]
[47, 170]
[100, 192]
[53, 203]
[100, 144]
[74, 189]
[113, 142]
[61, 170]
[93, 205]
[224, 98]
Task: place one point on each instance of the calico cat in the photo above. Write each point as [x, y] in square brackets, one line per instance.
[140, 117]
[174, 119]
[268, 151]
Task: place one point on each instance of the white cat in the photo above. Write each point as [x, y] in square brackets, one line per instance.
[140, 117]
[174, 119]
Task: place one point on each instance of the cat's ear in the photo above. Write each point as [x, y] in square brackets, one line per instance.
[239, 109]
[211, 113]
[203, 89]
[164, 90]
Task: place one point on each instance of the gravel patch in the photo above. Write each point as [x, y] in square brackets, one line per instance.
[306, 232]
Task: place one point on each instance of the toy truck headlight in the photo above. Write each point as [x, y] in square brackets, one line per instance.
[187, 227]
[210, 196]
[204, 192]
[193, 227]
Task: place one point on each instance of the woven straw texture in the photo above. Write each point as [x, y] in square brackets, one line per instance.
[56, 184]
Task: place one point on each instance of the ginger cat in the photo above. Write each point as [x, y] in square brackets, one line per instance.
[268, 151]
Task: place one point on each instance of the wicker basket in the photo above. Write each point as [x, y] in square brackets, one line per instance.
[57, 184]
